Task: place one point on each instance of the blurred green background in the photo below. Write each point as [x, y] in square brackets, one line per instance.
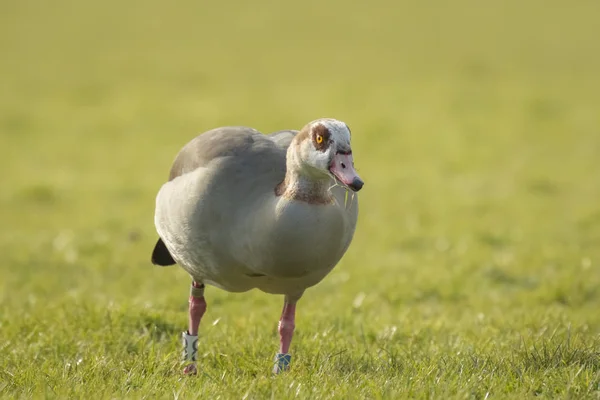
[476, 126]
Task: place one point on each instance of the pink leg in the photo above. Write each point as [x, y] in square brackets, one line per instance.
[197, 308]
[286, 332]
[286, 327]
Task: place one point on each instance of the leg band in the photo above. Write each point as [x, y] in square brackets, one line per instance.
[190, 347]
[282, 362]
[197, 291]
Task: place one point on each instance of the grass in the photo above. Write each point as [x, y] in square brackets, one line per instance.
[474, 269]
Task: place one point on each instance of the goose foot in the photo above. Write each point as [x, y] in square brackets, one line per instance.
[190, 369]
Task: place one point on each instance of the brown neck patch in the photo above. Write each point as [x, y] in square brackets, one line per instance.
[314, 193]
[280, 188]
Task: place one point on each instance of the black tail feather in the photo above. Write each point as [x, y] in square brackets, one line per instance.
[161, 255]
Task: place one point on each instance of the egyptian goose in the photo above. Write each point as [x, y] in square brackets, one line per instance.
[243, 210]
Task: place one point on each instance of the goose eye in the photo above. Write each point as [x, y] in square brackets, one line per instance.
[319, 139]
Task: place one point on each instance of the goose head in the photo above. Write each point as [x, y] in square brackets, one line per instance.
[322, 151]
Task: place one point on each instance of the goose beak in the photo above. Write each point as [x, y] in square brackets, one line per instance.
[342, 167]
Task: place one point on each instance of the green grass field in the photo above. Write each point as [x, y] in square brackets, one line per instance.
[475, 269]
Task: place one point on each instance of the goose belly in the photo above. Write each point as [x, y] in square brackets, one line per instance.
[281, 247]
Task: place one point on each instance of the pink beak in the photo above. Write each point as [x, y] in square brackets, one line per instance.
[342, 166]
